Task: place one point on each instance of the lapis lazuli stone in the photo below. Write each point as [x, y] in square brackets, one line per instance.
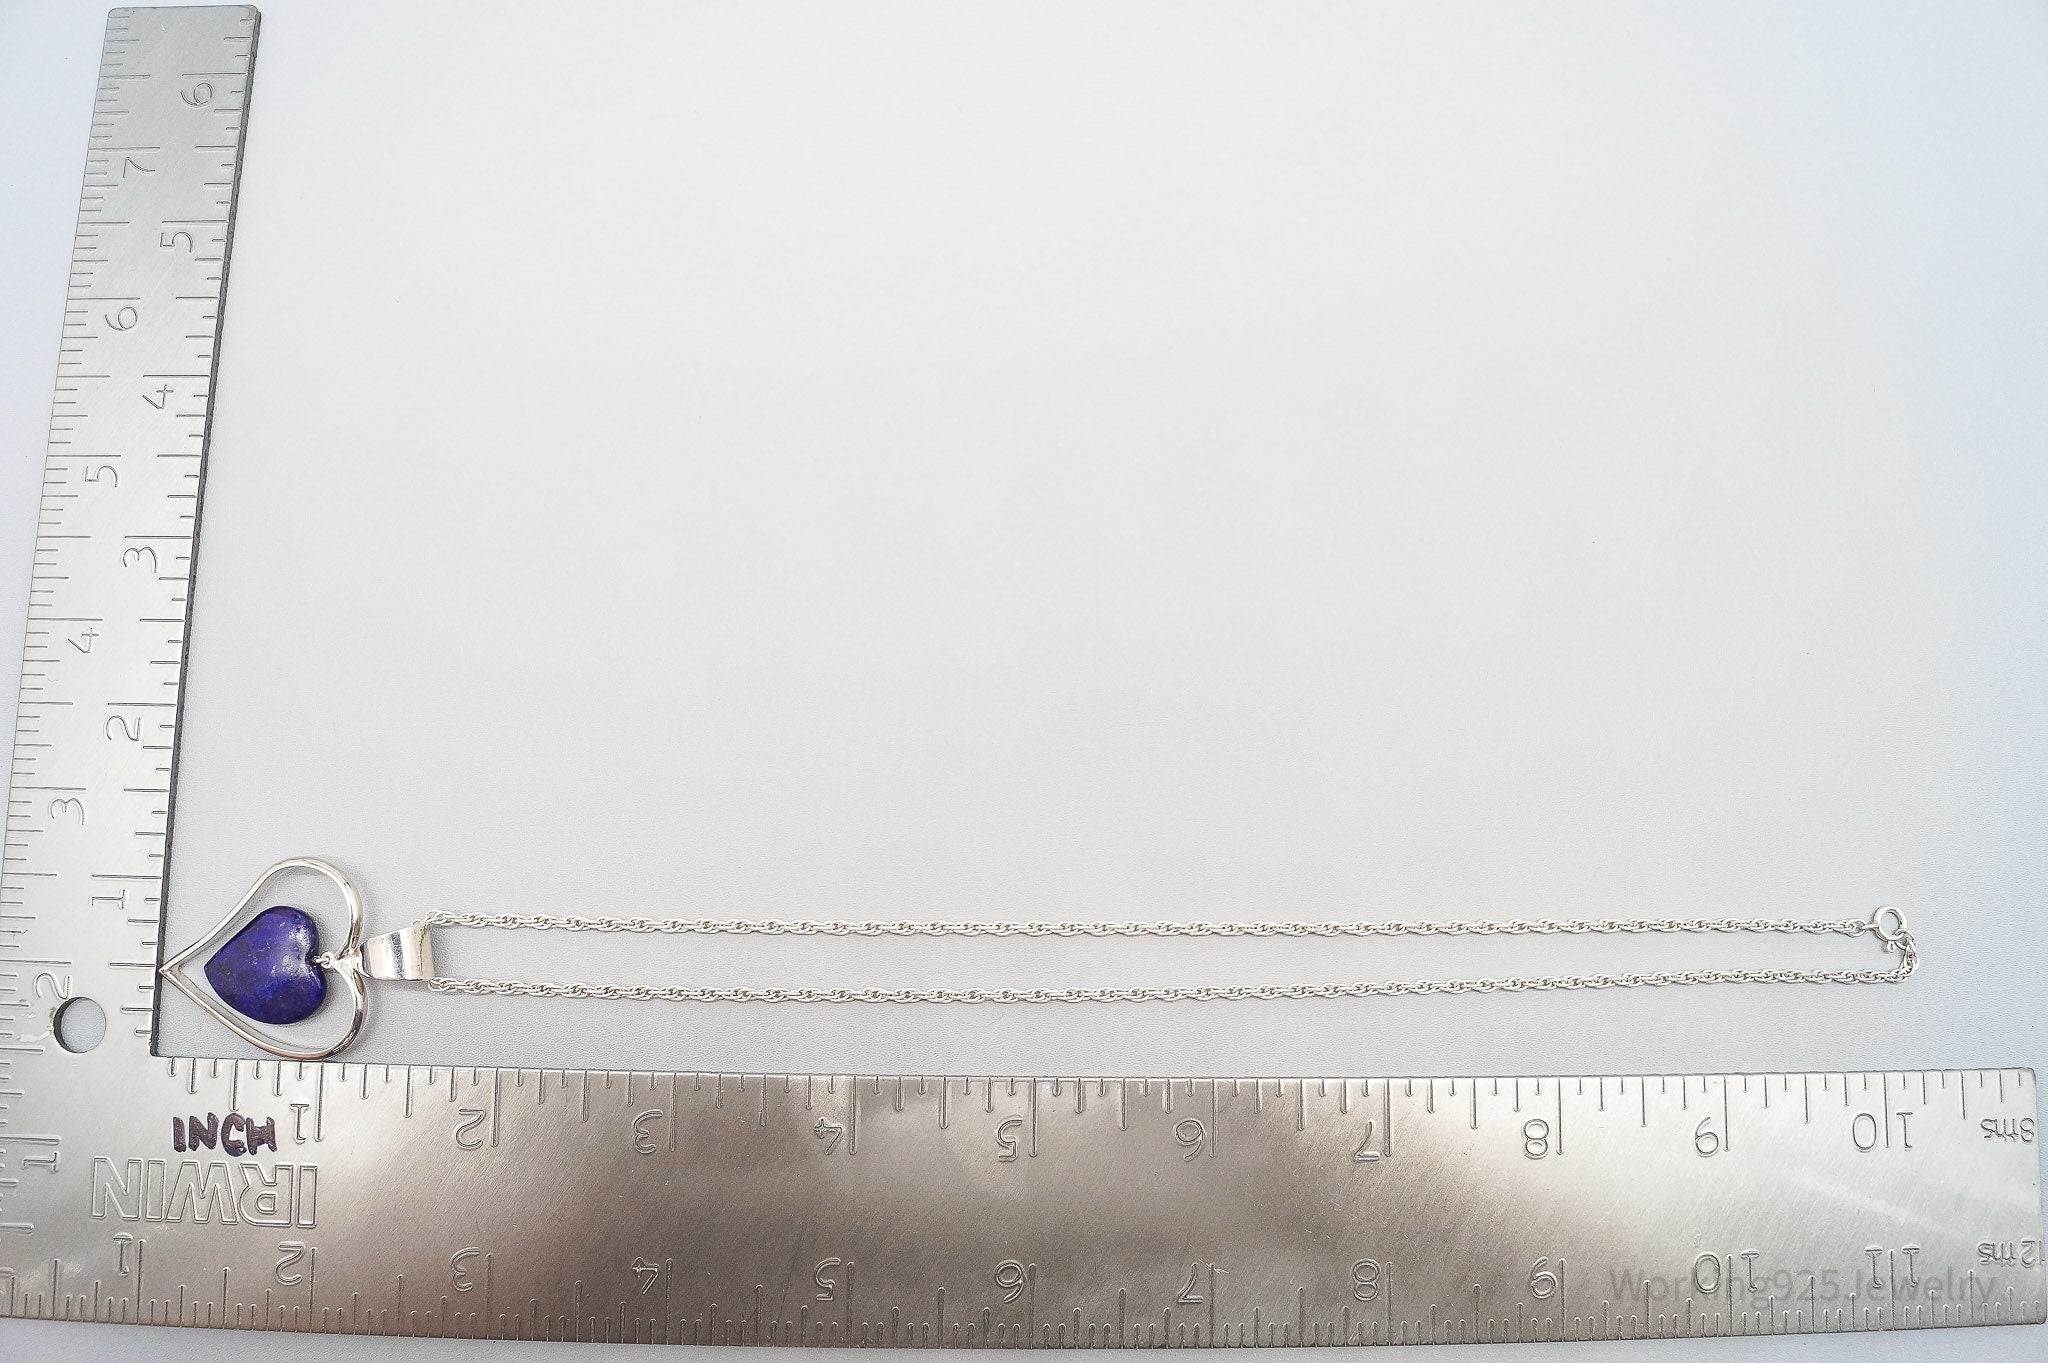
[266, 970]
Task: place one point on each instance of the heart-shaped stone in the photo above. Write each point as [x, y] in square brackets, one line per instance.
[266, 971]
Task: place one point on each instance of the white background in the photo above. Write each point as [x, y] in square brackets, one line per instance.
[1133, 461]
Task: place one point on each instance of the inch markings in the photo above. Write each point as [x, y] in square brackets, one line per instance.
[89, 808]
[89, 815]
[807, 1209]
[1052, 1212]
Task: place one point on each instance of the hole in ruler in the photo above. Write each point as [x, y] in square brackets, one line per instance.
[80, 1025]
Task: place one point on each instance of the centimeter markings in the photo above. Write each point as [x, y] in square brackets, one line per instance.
[928, 1210]
[89, 802]
[722, 1208]
[89, 809]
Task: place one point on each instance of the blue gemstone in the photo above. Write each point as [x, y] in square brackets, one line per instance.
[266, 970]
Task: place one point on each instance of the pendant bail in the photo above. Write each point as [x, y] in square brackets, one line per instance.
[407, 954]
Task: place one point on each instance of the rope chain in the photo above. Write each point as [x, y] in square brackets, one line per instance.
[1892, 934]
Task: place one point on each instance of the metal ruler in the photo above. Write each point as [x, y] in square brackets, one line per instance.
[832, 1209]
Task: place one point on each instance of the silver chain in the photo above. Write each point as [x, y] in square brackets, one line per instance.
[1887, 924]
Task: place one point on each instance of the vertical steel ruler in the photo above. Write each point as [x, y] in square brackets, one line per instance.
[89, 813]
[827, 1209]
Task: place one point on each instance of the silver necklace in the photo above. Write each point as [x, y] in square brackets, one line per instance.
[269, 970]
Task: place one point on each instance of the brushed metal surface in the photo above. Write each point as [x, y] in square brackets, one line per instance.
[887, 1210]
[89, 813]
[817, 1209]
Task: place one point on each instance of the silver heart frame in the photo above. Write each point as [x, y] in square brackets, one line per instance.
[342, 962]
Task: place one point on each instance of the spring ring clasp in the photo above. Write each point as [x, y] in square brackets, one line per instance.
[1888, 922]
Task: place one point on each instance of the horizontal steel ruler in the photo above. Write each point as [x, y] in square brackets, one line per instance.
[855, 1209]
[830, 1209]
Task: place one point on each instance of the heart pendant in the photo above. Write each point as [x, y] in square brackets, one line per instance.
[271, 970]
[267, 970]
